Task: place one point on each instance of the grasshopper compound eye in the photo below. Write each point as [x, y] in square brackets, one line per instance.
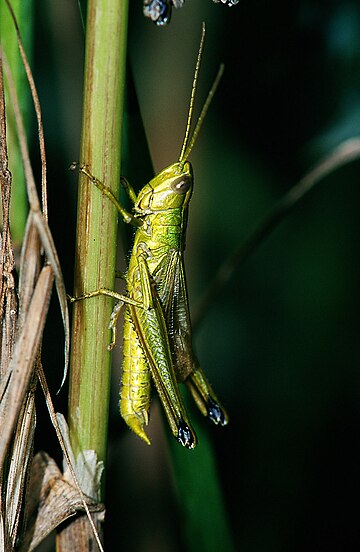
[181, 185]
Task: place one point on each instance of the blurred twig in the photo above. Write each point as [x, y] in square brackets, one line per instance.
[347, 152]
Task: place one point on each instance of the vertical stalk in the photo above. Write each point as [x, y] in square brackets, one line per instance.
[105, 57]
[106, 34]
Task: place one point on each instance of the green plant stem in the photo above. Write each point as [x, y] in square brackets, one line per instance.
[106, 36]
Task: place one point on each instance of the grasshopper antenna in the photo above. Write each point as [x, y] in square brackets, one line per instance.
[189, 141]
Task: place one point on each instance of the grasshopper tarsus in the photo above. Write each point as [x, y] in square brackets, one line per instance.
[216, 413]
[186, 436]
[205, 398]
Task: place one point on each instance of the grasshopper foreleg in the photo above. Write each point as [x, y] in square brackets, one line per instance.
[127, 217]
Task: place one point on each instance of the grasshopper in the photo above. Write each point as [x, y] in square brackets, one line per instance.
[157, 327]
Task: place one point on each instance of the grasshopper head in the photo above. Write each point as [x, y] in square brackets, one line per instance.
[170, 189]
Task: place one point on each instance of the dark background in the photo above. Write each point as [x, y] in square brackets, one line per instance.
[280, 342]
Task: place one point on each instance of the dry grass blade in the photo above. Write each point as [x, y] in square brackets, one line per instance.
[39, 219]
[8, 301]
[18, 466]
[9, 493]
[17, 410]
[22, 362]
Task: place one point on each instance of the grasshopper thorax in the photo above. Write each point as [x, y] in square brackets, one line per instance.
[170, 189]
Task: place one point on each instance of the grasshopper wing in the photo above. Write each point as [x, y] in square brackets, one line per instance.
[171, 285]
[151, 330]
[171, 282]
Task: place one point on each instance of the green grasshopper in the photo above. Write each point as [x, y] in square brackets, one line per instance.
[157, 328]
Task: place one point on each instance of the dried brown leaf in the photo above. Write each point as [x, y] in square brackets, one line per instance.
[51, 500]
